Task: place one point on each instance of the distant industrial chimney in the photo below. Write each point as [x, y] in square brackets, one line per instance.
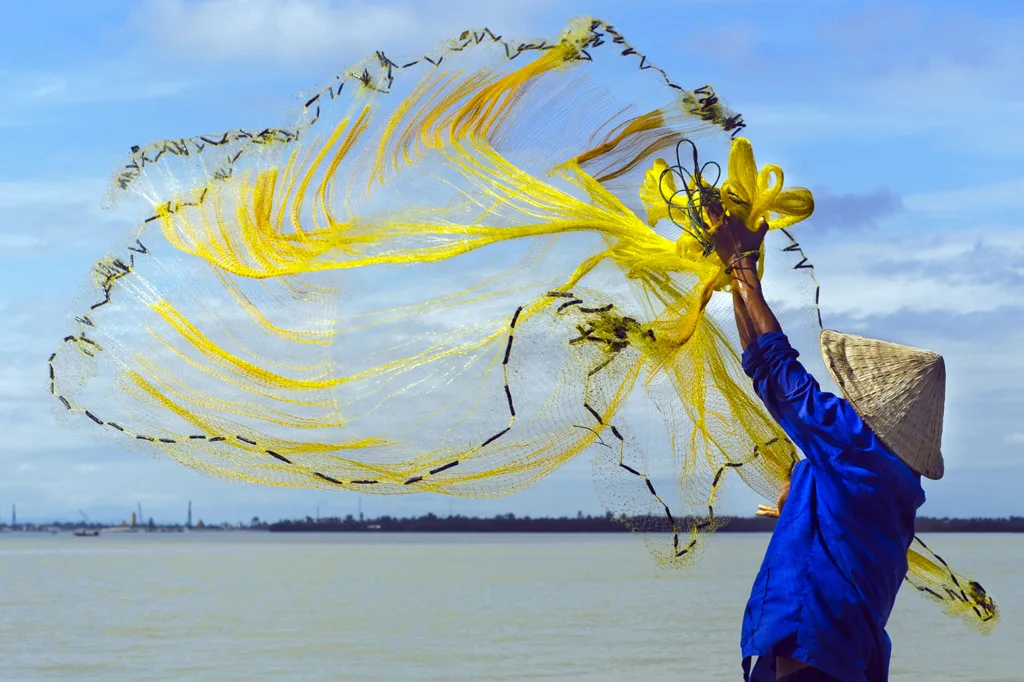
[14, 516]
[188, 523]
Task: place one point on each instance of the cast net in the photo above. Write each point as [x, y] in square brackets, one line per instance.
[454, 275]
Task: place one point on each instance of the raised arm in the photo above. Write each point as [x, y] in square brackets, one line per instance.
[753, 315]
[808, 415]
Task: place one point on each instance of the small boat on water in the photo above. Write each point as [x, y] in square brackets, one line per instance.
[86, 533]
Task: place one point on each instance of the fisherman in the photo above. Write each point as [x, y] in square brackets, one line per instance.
[838, 555]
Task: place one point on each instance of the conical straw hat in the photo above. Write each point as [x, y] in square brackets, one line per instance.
[898, 391]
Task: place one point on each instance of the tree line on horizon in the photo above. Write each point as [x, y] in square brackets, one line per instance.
[510, 523]
[598, 524]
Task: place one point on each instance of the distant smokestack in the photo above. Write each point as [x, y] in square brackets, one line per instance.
[188, 523]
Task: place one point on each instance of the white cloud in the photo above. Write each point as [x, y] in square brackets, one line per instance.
[289, 31]
[39, 193]
[301, 30]
[949, 270]
[859, 293]
[21, 241]
[1015, 438]
[954, 268]
[50, 87]
[1005, 194]
[82, 83]
[56, 214]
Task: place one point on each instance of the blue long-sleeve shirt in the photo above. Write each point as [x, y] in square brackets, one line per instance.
[838, 554]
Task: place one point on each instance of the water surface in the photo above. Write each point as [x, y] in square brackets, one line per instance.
[260, 606]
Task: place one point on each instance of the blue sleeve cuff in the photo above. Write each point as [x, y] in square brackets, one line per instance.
[764, 351]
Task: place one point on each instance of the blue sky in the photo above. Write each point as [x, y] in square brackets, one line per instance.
[899, 116]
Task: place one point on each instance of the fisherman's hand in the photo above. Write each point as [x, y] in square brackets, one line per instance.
[732, 238]
[767, 510]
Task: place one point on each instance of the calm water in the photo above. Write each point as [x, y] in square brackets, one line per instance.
[253, 606]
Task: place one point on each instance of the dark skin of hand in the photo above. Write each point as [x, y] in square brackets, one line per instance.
[753, 318]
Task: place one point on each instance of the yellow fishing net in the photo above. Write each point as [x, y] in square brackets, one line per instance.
[455, 275]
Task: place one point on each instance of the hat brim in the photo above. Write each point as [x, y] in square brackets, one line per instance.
[847, 369]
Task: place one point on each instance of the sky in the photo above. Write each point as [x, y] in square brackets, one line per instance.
[899, 116]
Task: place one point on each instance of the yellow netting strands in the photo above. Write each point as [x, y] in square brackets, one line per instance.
[455, 275]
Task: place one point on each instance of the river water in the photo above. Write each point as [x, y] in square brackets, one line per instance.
[261, 606]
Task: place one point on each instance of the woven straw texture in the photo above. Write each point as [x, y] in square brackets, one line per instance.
[899, 391]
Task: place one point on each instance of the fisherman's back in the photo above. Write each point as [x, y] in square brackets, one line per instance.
[837, 556]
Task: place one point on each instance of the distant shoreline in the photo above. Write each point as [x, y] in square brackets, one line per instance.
[599, 524]
[508, 523]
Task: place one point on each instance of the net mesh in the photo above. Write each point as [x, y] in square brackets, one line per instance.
[454, 275]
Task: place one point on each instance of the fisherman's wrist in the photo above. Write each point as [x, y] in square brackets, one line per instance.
[746, 260]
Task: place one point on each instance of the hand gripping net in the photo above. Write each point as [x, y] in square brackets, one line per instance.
[455, 275]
